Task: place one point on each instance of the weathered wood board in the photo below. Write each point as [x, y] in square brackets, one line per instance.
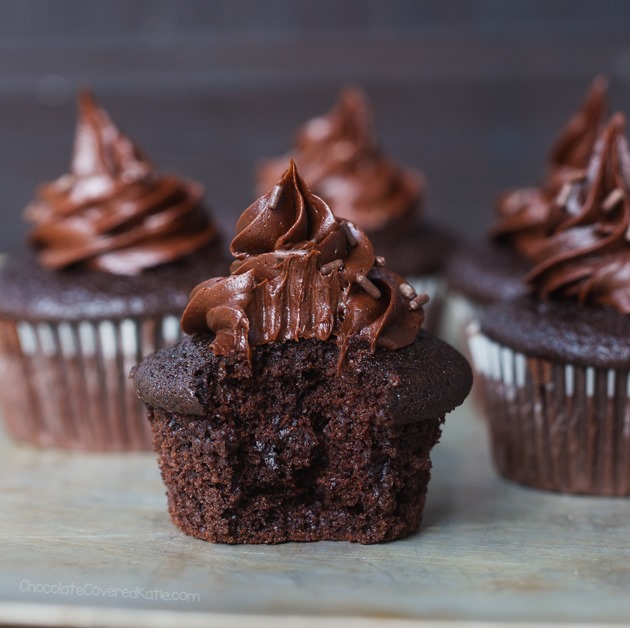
[488, 551]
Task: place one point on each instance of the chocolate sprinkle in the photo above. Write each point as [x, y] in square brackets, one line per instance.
[417, 302]
[274, 197]
[352, 241]
[336, 264]
[407, 291]
[282, 253]
[368, 286]
[563, 195]
[612, 200]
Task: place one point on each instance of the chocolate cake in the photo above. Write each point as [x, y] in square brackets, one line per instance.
[339, 157]
[115, 249]
[306, 401]
[555, 366]
[296, 452]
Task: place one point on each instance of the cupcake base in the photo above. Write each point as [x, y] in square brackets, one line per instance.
[297, 451]
[369, 486]
[68, 340]
[555, 426]
[66, 384]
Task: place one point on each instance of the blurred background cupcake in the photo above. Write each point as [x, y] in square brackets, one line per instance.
[493, 270]
[115, 249]
[555, 366]
[340, 159]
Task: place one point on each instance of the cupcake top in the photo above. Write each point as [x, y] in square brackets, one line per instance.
[113, 211]
[586, 257]
[340, 160]
[302, 273]
[525, 216]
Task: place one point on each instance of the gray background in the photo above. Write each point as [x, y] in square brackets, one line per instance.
[470, 91]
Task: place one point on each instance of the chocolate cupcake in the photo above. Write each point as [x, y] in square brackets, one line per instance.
[555, 365]
[305, 403]
[341, 161]
[481, 274]
[115, 249]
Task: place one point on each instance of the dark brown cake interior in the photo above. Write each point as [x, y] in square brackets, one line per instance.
[298, 452]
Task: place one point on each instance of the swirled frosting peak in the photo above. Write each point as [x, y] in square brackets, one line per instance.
[573, 147]
[587, 256]
[340, 160]
[525, 216]
[302, 273]
[113, 212]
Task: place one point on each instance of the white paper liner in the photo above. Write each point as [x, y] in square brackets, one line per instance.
[66, 384]
[555, 426]
[459, 312]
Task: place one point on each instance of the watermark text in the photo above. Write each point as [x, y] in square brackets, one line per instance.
[93, 590]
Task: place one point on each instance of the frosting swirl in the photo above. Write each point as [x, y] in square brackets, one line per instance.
[302, 273]
[113, 212]
[572, 149]
[339, 159]
[587, 256]
[526, 216]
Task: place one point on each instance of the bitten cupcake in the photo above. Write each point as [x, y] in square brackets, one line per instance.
[341, 161]
[555, 366]
[481, 274]
[306, 401]
[115, 249]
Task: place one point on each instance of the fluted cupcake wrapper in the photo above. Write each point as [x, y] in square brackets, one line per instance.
[65, 384]
[555, 426]
[459, 313]
[435, 287]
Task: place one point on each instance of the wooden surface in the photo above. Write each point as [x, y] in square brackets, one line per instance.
[487, 550]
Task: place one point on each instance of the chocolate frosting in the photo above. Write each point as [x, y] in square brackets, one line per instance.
[587, 256]
[340, 160]
[302, 273]
[526, 216]
[113, 212]
[573, 148]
